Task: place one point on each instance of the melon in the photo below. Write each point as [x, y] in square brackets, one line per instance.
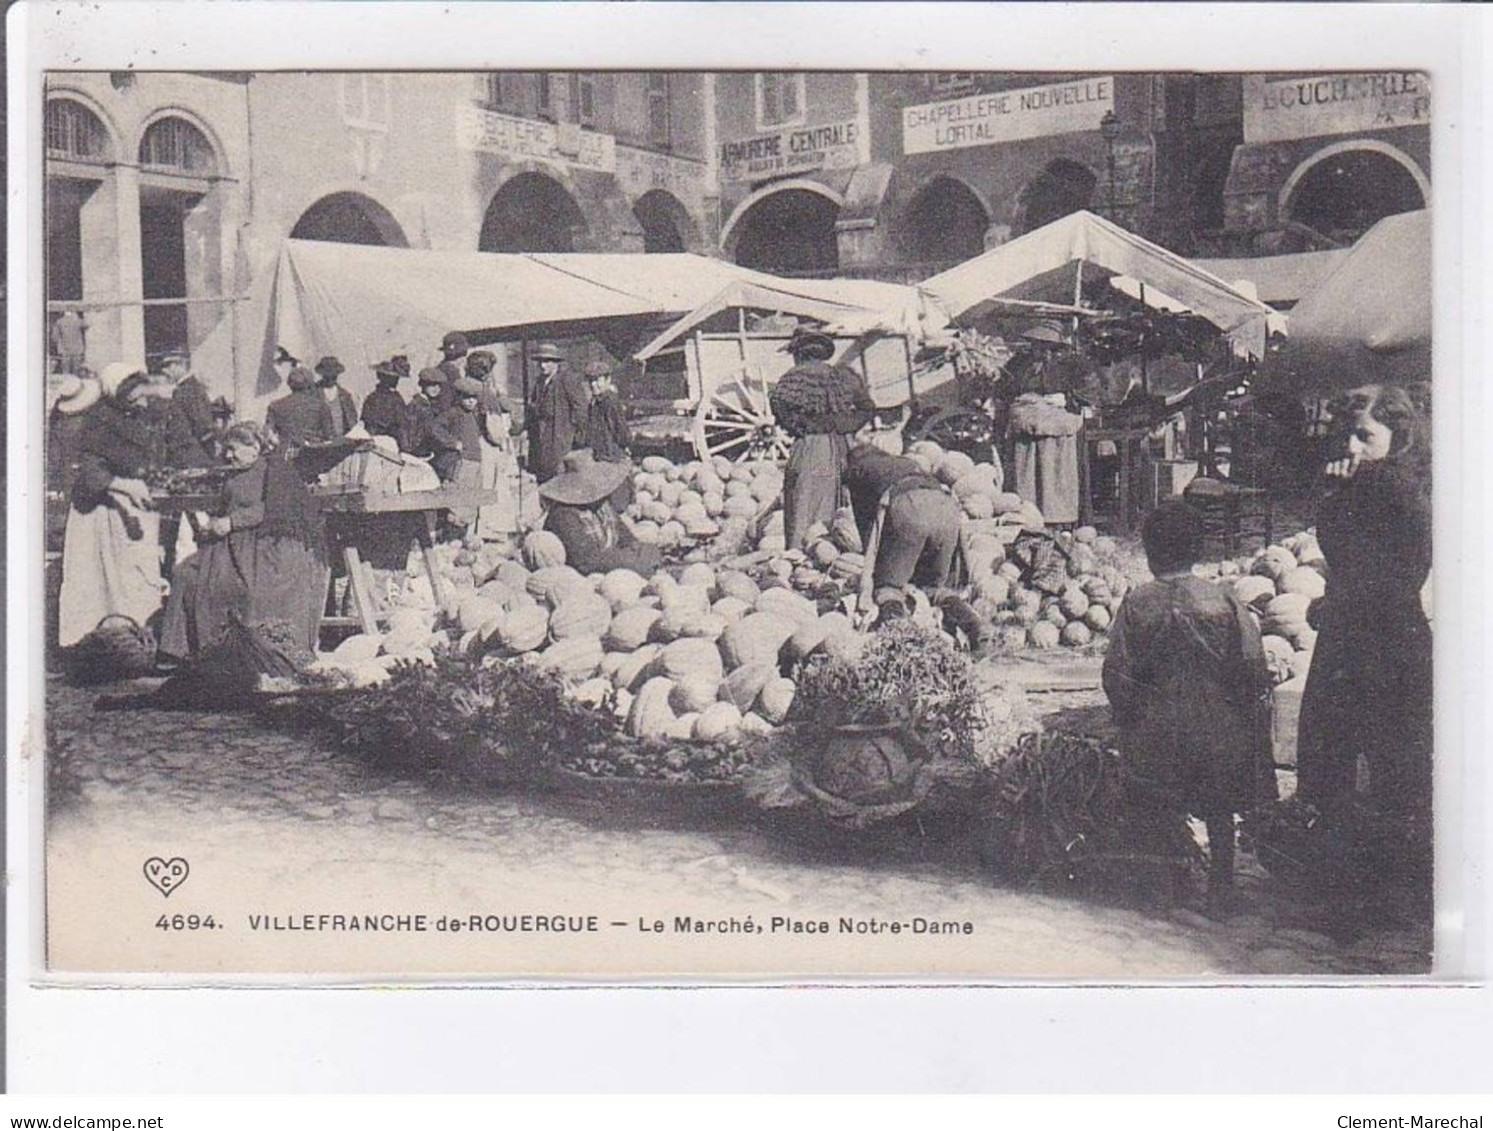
[786, 603]
[543, 548]
[745, 684]
[356, 649]
[693, 693]
[1074, 603]
[718, 722]
[754, 725]
[690, 656]
[580, 614]
[1097, 618]
[634, 670]
[757, 638]
[776, 699]
[1086, 535]
[651, 716]
[656, 465]
[1305, 581]
[630, 628]
[524, 630]
[1255, 590]
[730, 609]
[1044, 634]
[953, 467]
[1076, 633]
[621, 587]
[578, 657]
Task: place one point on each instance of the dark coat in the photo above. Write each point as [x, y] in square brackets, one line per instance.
[386, 414]
[113, 444]
[556, 422]
[348, 408]
[595, 541]
[432, 438]
[1369, 688]
[607, 433]
[300, 417]
[821, 405]
[870, 473]
[193, 427]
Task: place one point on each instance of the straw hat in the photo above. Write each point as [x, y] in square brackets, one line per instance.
[584, 480]
[76, 394]
[115, 374]
[547, 351]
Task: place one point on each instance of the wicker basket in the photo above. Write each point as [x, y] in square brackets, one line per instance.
[119, 648]
[368, 470]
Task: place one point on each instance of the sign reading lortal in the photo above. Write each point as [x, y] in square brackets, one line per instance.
[1007, 115]
[800, 150]
[1321, 105]
[486, 131]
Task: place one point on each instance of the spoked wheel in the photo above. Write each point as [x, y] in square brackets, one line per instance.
[735, 420]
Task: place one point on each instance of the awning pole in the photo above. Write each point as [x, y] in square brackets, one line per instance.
[1077, 291]
[1145, 377]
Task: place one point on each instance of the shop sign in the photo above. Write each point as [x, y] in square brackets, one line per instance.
[1007, 115]
[487, 131]
[641, 170]
[1322, 105]
[803, 149]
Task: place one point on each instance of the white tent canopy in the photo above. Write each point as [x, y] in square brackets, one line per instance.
[1047, 265]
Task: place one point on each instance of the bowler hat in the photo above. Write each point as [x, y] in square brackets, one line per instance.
[811, 344]
[391, 371]
[584, 480]
[455, 342]
[330, 367]
[547, 351]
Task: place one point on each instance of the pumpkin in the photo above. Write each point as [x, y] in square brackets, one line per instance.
[992, 588]
[543, 548]
[660, 583]
[978, 506]
[356, 649]
[803, 642]
[685, 599]
[582, 614]
[806, 577]
[1279, 655]
[491, 628]
[766, 488]
[1301, 663]
[513, 575]
[690, 656]
[730, 609]
[1098, 618]
[621, 587]
[753, 724]
[671, 533]
[842, 644]
[578, 656]
[592, 692]
[611, 663]
[646, 532]
[706, 626]
[1086, 535]
[786, 603]
[715, 503]
[1076, 633]
[698, 575]
[823, 553]
[1082, 560]
[547, 583]
[693, 693]
[411, 620]
[979, 481]
[1255, 590]
[1012, 637]
[1007, 503]
[634, 670]
[524, 630]
[718, 722]
[744, 684]
[630, 628]
[776, 698]
[650, 715]
[757, 638]
[1010, 571]
[1054, 615]
[1288, 608]
[682, 729]
[953, 467]
[1044, 634]
[1305, 581]
[1074, 603]
[739, 489]
[656, 465]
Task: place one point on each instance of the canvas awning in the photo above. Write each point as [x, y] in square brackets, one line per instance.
[1047, 264]
[1369, 321]
[1279, 280]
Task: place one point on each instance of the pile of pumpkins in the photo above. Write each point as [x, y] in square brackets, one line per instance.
[683, 505]
[1278, 585]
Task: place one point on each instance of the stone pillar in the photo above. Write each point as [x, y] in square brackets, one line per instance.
[131, 287]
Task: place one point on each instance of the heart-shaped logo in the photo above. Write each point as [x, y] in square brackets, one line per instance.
[166, 875]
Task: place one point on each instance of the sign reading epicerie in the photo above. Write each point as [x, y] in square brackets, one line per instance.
[1320, 105]
[1007, 115]
[804, 149]
[487, 131]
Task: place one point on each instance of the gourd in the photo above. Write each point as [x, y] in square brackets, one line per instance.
[824, 552]
[548, 582]
[745, 684]
[1086, 535]
[1255, 590]
[685, 599]
[682, 728]
[611, 663]
[650, 716]
[993, 588]
[1098, 618]
[1007, 502]
[581, 614]
[786, 603]
[356, 649]
[776, 698]
[717, 722]
[757, 638]
[513, 575]
[698, 575]
[622, 587]
[634, 670]
[1076, 633]
[953, 467]
[1043, 634]
[730, 609]
[1074, 603]
[578, 656]
[543, 548]
[690, 656]
[524, 630]
[978, 506]
[754, 724]
[630, 628]
[807, 638]
[706, 626]
[694, 693]
[1304, 580]
[592, 692]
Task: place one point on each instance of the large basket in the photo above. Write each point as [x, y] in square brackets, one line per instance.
[119, 648]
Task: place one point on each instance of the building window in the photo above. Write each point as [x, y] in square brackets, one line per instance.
[365, 101]
[780, 100]
[951, 82]
[177, 145]
[583, 99]
[74, 133]
[498, 92]
[660, 127]
[545, 91]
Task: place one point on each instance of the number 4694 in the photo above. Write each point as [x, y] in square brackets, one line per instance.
[185, 923]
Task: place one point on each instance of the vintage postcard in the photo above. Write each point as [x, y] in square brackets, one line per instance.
[724, 524]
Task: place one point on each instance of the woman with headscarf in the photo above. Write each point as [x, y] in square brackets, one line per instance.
[263, 558]
[579, 512]
[111, 557]
[821, 406]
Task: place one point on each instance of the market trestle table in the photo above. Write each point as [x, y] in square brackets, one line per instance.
[359, 521]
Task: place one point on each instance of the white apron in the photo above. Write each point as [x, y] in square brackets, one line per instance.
[106, 572]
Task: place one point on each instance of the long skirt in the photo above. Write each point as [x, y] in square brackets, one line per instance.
[105, 571]
[496, 521]
[811, 484]
[290, 585]
[1046, 475]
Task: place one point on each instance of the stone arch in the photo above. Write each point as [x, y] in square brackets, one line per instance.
[194, 123]
[666, 223]
[944, 222]
[1063, 186]
[67, 100]
[535, 212]
[1378, 180]
[349, 217]
[786, 228]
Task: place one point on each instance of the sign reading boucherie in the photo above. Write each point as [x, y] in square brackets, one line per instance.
[1321, 105]
[803, 149]
[487, 131]
[1007, 115]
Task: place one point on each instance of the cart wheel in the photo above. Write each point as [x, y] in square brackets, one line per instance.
[735, 420]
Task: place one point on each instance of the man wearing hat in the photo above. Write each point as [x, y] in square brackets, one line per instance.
[454, 347]
[189, 428]
[430, 437]
[340, 402]
[384, 411]
[556, 416]
[607, 433]
[301, 416]
[579, 513]
[821, 406]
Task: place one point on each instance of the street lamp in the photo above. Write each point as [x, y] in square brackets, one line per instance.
[1109, 130]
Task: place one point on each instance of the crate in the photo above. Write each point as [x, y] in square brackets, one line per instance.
[368, 470]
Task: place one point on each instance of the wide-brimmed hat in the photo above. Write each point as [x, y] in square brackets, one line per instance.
[584, 480]
[391, 370]
[115, 374]
[76, 394]
[1047, 332]
[330, 366]
[300, 378]
[455, 342]
[547, 351]
[811, 343]
[431, 376]
[467, 387]
[596, 369]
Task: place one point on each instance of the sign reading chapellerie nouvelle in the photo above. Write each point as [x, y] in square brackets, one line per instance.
[1322, 105]
[1007, 115]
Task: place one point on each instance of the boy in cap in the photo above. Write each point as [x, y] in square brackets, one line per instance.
[556, 416]
[343, 408]
[384, 411]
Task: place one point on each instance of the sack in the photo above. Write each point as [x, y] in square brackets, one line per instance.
[119, 648]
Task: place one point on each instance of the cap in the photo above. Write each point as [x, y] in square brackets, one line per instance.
[467, 387]
[455, 342]
[432, 376]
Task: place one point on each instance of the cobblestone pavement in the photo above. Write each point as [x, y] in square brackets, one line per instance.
[234, 779]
